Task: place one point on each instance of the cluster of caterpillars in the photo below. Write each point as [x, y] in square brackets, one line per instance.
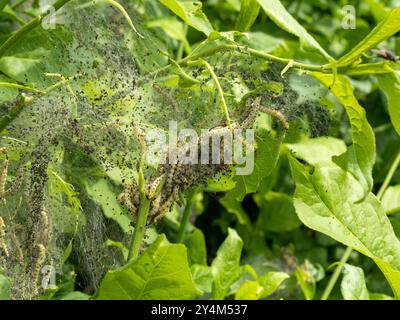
[26, 260]
[173, 179]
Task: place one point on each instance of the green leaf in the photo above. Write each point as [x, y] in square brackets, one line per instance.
[225, 267]
[191, 13]
[378, 9]
[196, 245]
[119, 245]
[353, 285]
[160, 273]
[172, 27]
[277, 213]
[263, 287]
[5, 288]
[328, 201]
[317, 150]
[75, 295]
[100, 191]
[249, 10]
[390, 85]
[64, 201]
[306, 282]
[7, 94]
[360, 157]
[265, 159]
[385, 29]
[277, 12]
[379, 296]
[367, 69]
[391, 200]
[202, 277]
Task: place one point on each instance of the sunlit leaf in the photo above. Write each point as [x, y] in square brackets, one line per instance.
[225, 267]
[190, 12]
[161, 272]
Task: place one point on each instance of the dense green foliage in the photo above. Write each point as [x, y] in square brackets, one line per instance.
[318, 218]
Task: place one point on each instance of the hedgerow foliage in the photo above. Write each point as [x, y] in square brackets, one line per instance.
[84, 215]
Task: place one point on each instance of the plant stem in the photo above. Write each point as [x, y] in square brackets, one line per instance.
[144, 206]
[347, 253]
[19, 86]
[140, 228]
[336, 274]
[185, 218]
[3, 4]
[23, 31]
[389, 177]
[26, 100]
[221, 94]
[182, 44]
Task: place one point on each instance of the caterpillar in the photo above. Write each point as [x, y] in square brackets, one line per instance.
[3, 245]
[178, 177]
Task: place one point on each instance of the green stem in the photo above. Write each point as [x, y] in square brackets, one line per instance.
[326, 68]
[13, 17]
[185, 218]
[347, 253]
[140, 229]
[336, 274]
[144, 208]
[182, 44]
[19, 86]
[389, 177]
[15, 111]
[23, 31]
[221, 93]
[3, 4]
